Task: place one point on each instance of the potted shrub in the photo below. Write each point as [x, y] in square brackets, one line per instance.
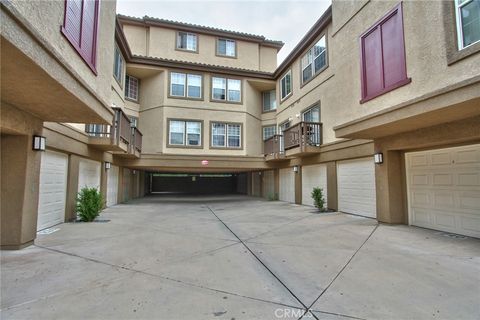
[318, 198]
[89, 204]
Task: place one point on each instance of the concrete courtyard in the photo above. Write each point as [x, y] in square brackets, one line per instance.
[237, 257]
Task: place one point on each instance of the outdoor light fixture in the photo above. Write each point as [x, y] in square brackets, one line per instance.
[39, 143]
[295, 169]
[108, 165]
[134, 171]
[378, 158]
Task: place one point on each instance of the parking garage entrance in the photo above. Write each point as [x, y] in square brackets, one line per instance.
[198, 183]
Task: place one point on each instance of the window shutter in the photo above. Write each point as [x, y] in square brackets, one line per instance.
[73, 20]
[393, 50]
[89, 30]
[372, 60]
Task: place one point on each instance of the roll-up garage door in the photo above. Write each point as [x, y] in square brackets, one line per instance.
[287, 185]
[89, 174]
[356, 187]
[112, 186]
[52, 189]
[444, 189]
[313, 176]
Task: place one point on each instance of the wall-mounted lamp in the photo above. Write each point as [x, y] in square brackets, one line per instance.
[108, 165]
[39, 143]
[134, 171]
[378, 158]
[295, 169]
[259, 173]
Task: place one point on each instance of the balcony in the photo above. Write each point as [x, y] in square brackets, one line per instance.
[302, 139]
[120, 138]
[273, 148]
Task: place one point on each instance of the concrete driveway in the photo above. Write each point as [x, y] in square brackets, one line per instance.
[237, 257]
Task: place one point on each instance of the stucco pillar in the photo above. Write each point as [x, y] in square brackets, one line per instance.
[103, 183]
[298, 185]
[72, 187]
[389, 180]
[332, 195]
[20, 178]
[276, 182]
[120, 185]
[141, 186]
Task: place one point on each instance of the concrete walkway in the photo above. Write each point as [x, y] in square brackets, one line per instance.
[237, 257]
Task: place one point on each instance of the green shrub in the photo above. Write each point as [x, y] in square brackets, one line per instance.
[318, 198]
[273, 197]
[89, 204]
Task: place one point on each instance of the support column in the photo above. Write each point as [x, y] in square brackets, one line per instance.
[120, 185]
[298, 185]
[389, 180]
[276, 182]
[103, 183]
[20, 186]
[332, 195]
[72, 187]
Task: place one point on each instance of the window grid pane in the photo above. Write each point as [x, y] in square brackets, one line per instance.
[268, 132]
[194, 86]
[219, 88]
[233, 132]
[234, 90]
[177, 132]
[177, 87]
[218, 135]
[193, 133]
[131, 87]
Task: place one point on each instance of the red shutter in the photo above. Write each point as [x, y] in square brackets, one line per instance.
[383, 64]
[80, 28]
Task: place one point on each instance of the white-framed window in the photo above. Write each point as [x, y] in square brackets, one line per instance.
[185, 85]
[286, 85]
[311, 115]
[269, 99]
[186, 41]
[468, 22]
[314, 60]
[226, 47]
[131, 87]
[185, 133]
[269, 132]
[283, 126]
[118, 63]
[224, 89]
[226, 135]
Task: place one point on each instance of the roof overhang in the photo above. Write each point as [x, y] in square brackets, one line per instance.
[449, 104]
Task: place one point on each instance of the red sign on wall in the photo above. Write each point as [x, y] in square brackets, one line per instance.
[204, 162]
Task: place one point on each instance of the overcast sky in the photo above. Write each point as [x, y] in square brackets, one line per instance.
[284, 20]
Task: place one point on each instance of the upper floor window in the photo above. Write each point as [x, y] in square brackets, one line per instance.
[131, 88]
[269, 100]
[311, 115]
[118, 63]
[226, 135]
[226, 47]
[224, 89]
[187, 41]
[185, 85]
[80, 28]
[184, 133]
[268, 132]
[286, 85]
[468, 22]
[284, 125]
[314, 60]
[383, 56]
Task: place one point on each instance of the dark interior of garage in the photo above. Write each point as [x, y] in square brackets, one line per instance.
[197, 183]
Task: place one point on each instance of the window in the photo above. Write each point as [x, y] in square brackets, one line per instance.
[383, 56]
[226, 47]
[286, 85]
[131, 88]
[187, 41]
[314, 60]
[118, 65]
[185, 133]
[284, 126]
[312, 115]
[226, 135]
[133, 122]
[185, 85]
[226, 89]
[269, 100]
[468, 22]
[80, 28]
[268, 132]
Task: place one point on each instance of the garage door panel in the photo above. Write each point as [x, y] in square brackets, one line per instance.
[112, 186]
[287, 185]
[446, 189]
[313, 176]
[52, 189]
[356, 187]
[89, 174]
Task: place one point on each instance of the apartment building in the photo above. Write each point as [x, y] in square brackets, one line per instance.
[378, 104]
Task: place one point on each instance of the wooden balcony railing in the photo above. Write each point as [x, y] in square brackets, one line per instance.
[273, 145]
[136, 140]
[303, 134]
[122, 126]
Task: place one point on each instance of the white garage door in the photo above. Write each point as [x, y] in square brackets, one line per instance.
[89, 174]
[312, 177]
[287, 185]
[52, 189]
[112, 186]
[356, 187]
[444, 189]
